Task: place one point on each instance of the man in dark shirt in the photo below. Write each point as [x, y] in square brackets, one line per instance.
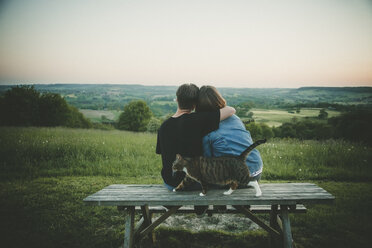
[183, 132]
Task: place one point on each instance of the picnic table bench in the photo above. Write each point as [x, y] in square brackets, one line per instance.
[278, 200]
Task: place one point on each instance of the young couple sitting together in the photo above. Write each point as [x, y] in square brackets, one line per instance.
[210, 145]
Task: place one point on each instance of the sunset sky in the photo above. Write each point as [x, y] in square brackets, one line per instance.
[290, 43]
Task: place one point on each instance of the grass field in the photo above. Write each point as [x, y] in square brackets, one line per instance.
[96, 115]
[46, 172]
[277, 117]
[271, 117]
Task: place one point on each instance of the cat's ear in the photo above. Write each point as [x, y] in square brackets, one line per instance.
[178, 156]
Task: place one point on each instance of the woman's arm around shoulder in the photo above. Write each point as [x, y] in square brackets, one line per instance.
[226, 112]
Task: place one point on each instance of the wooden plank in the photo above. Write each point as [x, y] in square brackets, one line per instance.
[211, 197]
[274, 240]
[256, 209]
[206, 199]
[278, 186]
[211, 192]
[147, 219]
[156, 187]
[281, 194]
[220, 194]
[268, 188]
[146, 214]
[287, 233]
[129, 228]
[276, 195]
[120, 186]
[177, 202]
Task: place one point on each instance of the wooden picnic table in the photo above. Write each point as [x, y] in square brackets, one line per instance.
[278, 199]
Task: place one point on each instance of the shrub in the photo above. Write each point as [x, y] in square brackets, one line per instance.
[20, 106]
[154, 125]
[259, 130]
[24, 106]
[135, 117]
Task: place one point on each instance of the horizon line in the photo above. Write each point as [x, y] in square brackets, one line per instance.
[176, 85]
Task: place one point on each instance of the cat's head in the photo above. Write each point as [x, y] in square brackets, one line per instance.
[180, 163]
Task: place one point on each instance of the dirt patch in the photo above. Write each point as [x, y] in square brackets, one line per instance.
[224, 222]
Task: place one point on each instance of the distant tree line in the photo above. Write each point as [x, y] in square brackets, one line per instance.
[326, 105]
[24, 106]
[354, 126]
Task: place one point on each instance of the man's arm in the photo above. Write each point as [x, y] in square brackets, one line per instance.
[226, 112]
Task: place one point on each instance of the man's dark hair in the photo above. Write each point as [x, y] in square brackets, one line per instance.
[187, 96]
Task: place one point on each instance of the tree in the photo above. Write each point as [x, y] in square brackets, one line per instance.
[24, 106]
[355, 125]
[54, 110]
[20, 106]
[267, 132]
[154, 125]
[77, 119]
[250, 114]
[287, 130]
[255, 130]
[323, 114]
[135, 117]
[242, 109]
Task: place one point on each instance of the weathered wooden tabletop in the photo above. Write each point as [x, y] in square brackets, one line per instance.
[158, 195]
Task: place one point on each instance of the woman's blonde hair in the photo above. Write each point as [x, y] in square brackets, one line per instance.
[209, 99]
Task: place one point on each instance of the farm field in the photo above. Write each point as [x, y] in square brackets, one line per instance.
[275, 118]
[46, 172]
[96, 115]
[270, 117]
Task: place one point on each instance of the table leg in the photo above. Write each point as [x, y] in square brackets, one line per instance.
[287, 234]
[274, 240]
[129, 228]
[147, 219]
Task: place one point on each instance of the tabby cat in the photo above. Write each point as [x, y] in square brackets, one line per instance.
[226, 170]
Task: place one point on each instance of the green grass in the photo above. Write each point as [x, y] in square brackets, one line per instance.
[46, 172]
[316, 160]
[96, 115]
[49, 212]
[277, 117]
[45, 152]
[35, 152]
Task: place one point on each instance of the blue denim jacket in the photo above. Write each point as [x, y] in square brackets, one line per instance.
[231, 138]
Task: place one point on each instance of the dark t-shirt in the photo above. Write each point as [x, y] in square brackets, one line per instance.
[183, 135]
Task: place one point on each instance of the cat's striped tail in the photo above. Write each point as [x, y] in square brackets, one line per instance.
[245, 153]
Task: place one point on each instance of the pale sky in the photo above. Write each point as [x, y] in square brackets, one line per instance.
[278, 43]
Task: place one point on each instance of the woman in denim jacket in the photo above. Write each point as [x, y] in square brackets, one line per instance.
[231, 138]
